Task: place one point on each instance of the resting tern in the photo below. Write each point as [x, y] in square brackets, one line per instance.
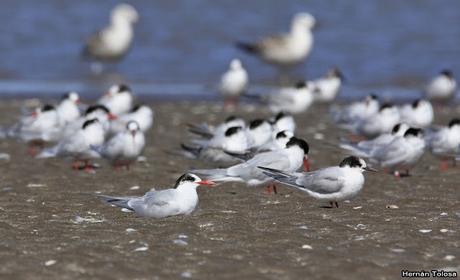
[356, 111]
[418, 114]
[125, 147]
[442, 87]
[180, 200]
[142, 114]
[233, 82]
[79, 145]
[327, 87]
[119, 99]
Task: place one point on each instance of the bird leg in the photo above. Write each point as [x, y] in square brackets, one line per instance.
[334, 204]
[76, 164]
[271, 189]
[443, 165]
[88, 167]
[306, 165]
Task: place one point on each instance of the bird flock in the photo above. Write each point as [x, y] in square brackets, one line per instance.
[256, 152]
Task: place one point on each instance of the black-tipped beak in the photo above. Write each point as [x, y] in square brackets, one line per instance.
[370, 169]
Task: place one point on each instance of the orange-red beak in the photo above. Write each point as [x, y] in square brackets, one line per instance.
[34, 114]
[108, 94]
[112, 117]
[207, 183]
[77, 101]
[306, 164]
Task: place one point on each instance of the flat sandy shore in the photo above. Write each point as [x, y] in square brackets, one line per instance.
[52, 226]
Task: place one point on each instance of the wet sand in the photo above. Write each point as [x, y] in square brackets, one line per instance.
[52, 226]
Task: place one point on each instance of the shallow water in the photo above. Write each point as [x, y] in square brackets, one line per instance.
[181, 47]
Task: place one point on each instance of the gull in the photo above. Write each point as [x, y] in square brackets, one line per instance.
[112, 43]
[285, 49]
[233, 83]
[442, 87]
[180, 200]
[332, 184]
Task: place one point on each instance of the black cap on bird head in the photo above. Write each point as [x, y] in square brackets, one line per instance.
[335, 72]
[123, 87]
[447, 73]
[97, 107]
[416, 103]
[351, 161]
[300, 84]
[385, 106]
[256, 123]
[187, 177]
[300, 143]
[89, 122]
[232, 130]
[454, 122]
[281, 134]
[417, 132]
[230, 119]
[47, 107]
[136, 108]
[396, 128]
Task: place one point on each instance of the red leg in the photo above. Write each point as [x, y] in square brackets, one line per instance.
[306, 164]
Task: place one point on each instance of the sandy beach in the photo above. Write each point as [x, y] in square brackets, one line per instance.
[54, 227]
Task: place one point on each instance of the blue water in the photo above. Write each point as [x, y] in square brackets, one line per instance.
[182, 47]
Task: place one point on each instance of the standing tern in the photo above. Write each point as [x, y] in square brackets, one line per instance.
[288, 159]
[78, 146]
[444, 143]
[442, 87]
[233, 83]
[417, 114]
[332, 184]
[125, 147]
[119, 99]
[327, 87]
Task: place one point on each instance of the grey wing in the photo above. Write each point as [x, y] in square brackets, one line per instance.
[392, 154]
[275, 160]
[72, 145]
[160, 198]
[274, 43]
[323, 181]
[113, 148]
